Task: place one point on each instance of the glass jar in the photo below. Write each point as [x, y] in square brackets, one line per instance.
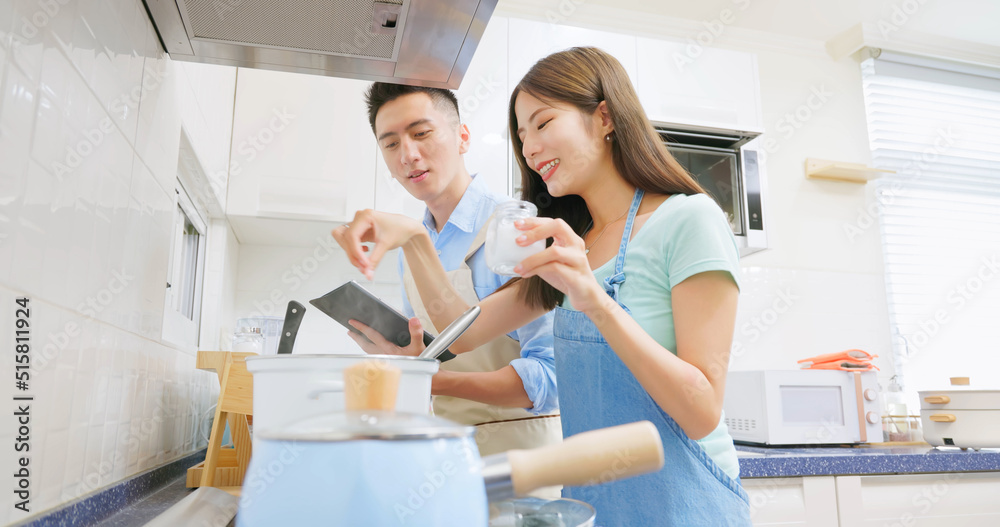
[502, 251]
[248, 340]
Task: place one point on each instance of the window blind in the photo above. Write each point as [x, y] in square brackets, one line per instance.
[938, 126]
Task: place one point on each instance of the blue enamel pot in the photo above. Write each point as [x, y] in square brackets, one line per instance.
[365, 468]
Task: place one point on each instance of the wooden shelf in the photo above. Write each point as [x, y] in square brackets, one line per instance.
[835, 170]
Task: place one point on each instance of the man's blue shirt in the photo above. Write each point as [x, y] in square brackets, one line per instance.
[536, 367]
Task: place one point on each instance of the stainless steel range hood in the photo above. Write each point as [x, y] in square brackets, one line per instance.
[421, 42]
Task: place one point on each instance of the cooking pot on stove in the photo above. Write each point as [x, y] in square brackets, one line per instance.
[962, 415]
[370, 465]
[289, 388]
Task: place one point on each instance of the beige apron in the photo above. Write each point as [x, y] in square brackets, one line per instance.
[498, 429]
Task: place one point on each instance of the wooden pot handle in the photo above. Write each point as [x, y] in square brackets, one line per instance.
[937, 399]
[598, 456]
[943, 418]
[371, 385]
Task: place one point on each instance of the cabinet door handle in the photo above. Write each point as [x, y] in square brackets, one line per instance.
[937, 399]
[943, 418]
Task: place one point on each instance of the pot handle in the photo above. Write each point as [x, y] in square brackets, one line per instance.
[598, 456]
[321, 387]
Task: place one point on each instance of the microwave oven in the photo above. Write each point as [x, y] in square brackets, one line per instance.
[727, 165]
[802, 407]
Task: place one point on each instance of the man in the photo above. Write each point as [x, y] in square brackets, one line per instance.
[507, 387]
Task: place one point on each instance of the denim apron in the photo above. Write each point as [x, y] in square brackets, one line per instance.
[597, 390]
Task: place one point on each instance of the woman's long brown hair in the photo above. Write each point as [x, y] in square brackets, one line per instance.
[584, 77]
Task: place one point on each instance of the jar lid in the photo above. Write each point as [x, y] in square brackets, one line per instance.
[368, 424]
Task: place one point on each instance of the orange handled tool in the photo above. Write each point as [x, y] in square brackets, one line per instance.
[853, 355]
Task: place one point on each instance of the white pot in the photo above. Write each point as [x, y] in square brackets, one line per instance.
[962, 417]
[289, 388]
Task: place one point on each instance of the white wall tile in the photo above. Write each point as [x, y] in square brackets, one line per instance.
[55, 447]
[86, 195]
[26, 40]
[6, 23]
[33, 231]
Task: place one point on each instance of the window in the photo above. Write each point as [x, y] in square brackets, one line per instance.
[937, 124]
[185, 274]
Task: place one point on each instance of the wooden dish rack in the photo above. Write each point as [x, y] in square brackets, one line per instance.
[225, 467]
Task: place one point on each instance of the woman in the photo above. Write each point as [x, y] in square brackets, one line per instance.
[642, 271]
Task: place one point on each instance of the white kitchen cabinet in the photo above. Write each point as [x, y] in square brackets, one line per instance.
[302, 148]
[804, 501]
[531, 40]
[685, 83]
[968, 499]
[912, 500]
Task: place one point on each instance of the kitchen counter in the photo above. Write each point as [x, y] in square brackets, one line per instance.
[774, 462]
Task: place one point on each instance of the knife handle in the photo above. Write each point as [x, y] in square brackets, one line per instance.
[290, 327]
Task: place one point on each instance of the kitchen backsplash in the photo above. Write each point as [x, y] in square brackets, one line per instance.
[90, 122]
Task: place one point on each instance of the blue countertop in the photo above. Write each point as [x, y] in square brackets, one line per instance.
[774, 462]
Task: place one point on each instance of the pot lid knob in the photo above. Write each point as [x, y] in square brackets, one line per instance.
[959, 381]
[371, 385]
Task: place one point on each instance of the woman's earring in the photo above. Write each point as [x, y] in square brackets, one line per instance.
[607, 138]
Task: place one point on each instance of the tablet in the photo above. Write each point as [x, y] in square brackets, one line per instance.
[353, 302]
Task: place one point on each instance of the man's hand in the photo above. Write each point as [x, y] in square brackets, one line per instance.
[380, 346]
[387, 231]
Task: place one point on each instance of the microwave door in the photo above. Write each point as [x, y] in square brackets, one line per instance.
[717, 171]
[809, 414]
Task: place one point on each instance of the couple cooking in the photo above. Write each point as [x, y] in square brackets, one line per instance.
[631, 307]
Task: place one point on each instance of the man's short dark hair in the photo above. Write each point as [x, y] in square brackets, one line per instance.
[380, 93]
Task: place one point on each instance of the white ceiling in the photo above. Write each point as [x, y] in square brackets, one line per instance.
[975, 21]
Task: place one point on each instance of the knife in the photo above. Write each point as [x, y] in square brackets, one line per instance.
[293, 317]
